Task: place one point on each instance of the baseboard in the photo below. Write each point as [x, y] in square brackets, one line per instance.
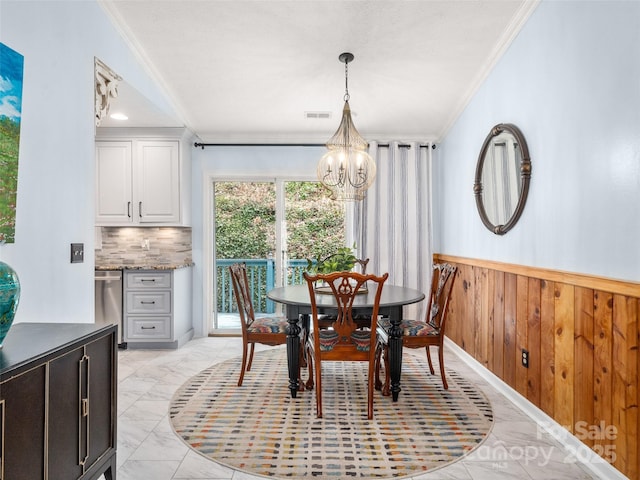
[185, 338]
[587, 457]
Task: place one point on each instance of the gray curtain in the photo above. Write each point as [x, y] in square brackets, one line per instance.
[392, 225]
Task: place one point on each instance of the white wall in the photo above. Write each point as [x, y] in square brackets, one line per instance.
[219, 163]
[571, 82]
[55, 204]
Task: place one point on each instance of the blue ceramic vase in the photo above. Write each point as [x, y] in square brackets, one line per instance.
[9, 296]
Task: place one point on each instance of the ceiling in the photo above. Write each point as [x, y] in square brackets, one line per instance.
[251, 71]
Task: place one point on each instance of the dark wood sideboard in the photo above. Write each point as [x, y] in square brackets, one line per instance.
[58, 390]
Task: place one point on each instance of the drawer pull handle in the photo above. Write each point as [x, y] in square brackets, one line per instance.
[148, 303]
[147, 328]
[147, 280]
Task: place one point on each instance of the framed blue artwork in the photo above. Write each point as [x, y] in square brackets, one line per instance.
[11, 72]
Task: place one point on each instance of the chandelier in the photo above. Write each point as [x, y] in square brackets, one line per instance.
[347, 170]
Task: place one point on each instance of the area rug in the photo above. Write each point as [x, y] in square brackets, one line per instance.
[258, 428]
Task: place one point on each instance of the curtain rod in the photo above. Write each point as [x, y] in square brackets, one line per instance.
[384, 145]
[202, 145]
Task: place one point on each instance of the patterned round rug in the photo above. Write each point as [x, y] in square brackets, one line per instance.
[258, 428]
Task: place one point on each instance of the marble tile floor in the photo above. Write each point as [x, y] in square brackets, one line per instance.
[148, 449]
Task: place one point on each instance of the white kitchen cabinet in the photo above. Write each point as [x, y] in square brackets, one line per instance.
[138, 182]
[158, 181]
[114, 187]
[157, 308]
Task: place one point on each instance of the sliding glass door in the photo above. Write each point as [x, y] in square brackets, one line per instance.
[274, 227]
[244, 231]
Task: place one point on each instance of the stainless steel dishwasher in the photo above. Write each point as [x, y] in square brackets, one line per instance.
[108, 286]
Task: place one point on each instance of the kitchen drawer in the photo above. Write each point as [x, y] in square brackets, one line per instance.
[149, 302]
[144, 280]
[139, 328]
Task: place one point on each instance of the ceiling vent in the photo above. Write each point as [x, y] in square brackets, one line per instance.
[321, 115]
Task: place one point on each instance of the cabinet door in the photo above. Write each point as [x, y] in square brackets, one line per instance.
[82, 408]
[114, 186]
[102, 397]
[22, 426]
[158, 182]
[67, 425]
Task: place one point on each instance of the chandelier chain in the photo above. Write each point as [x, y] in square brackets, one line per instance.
[346, 81]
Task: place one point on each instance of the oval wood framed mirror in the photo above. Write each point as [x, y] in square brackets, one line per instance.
[503, 173]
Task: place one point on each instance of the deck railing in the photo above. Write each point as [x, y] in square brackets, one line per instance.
[261, 274]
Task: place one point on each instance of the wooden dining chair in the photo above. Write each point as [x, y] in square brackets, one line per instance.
[264, 330]
[421, 334]
[343, 340]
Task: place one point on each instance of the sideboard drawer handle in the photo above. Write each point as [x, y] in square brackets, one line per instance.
[148, 303]
[148, 328]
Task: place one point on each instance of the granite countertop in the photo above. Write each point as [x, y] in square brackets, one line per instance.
[168, 266]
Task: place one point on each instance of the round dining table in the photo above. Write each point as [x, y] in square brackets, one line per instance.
[298, 304]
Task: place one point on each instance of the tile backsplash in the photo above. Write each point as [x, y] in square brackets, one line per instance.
[135, 246]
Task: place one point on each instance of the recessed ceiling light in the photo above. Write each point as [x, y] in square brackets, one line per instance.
[119, 116]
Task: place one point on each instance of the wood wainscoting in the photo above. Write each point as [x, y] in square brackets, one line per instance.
[582, 335]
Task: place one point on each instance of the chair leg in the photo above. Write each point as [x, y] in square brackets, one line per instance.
[429, 359]
[441, 359]
[250, 357]
[303, 355]
[378, 383]
[370, 385]
[301, 363]
[309, 383]
[243, 367]
[318, 388]
[386, 389]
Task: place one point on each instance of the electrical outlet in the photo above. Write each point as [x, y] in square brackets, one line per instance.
[77, 252]
[525, 358]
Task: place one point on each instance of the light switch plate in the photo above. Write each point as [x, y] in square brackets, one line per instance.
[77, 252]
